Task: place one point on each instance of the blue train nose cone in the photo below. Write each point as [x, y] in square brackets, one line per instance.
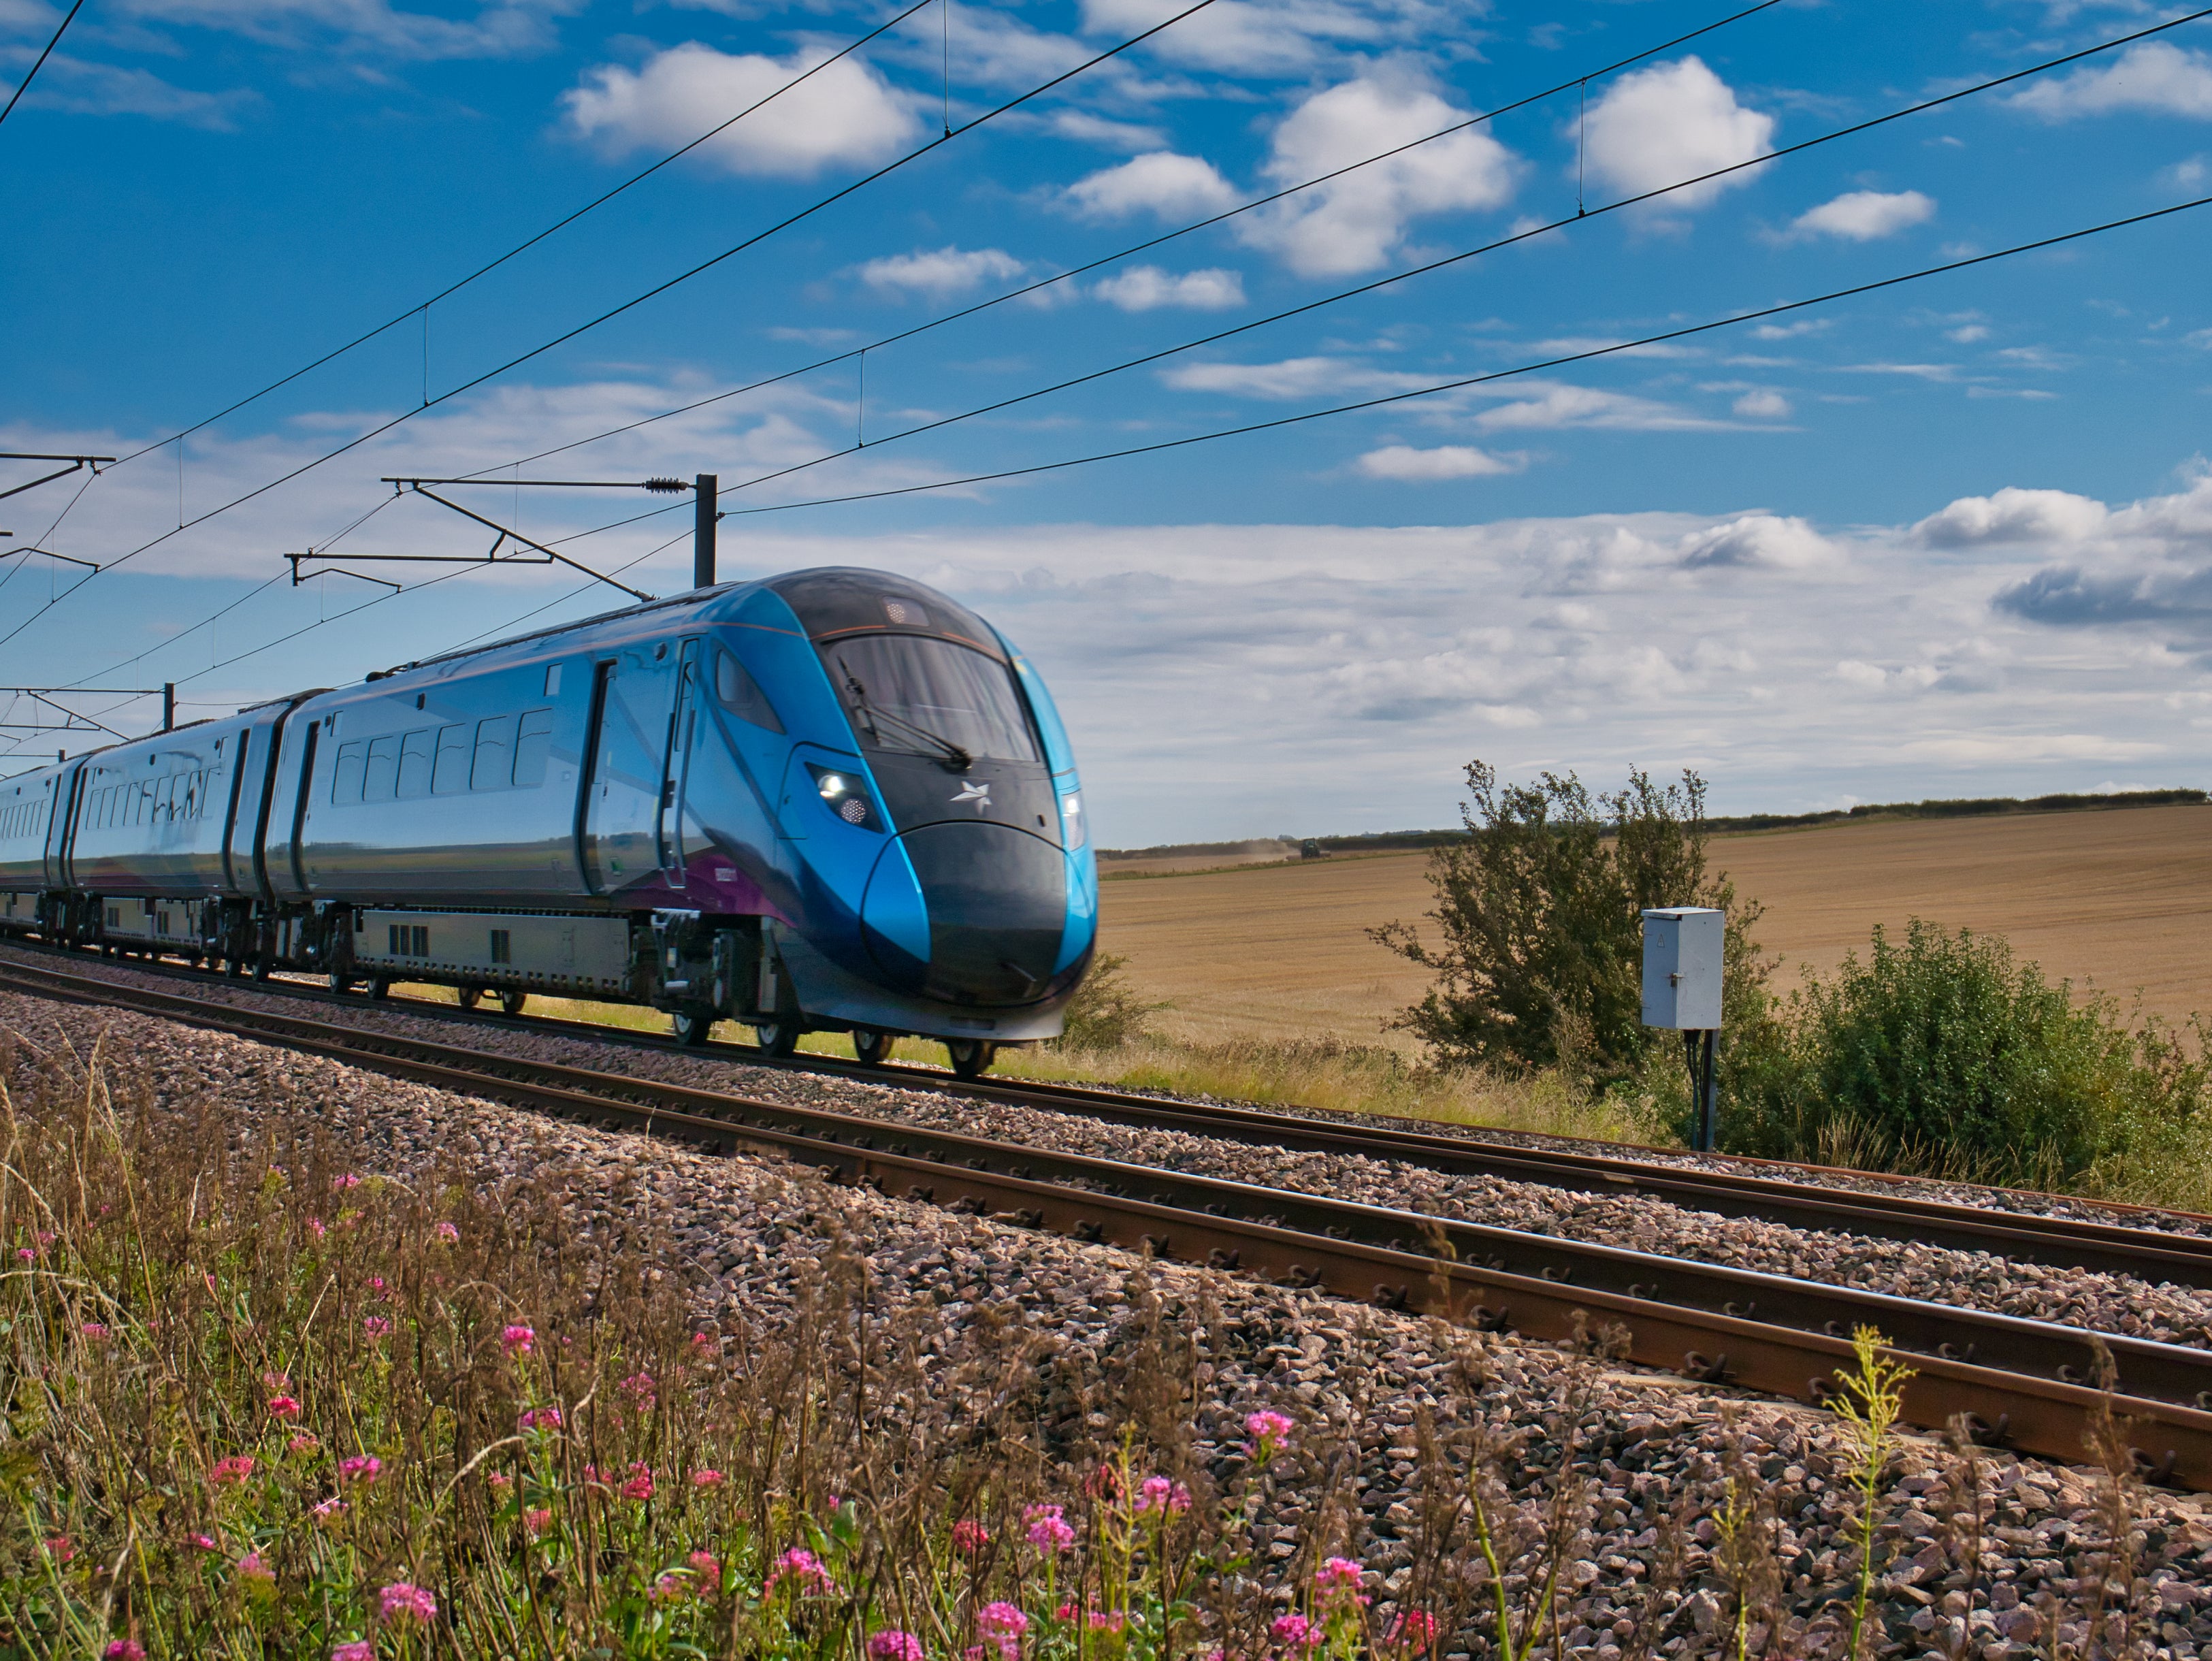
[997, 903]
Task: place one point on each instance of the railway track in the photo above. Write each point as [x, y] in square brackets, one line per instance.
[2025, 1385]
[1746, 1187]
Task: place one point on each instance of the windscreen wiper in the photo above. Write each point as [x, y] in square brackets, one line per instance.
[955, 757]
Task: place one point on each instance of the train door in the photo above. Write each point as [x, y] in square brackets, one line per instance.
[676, 772]
[629, 789]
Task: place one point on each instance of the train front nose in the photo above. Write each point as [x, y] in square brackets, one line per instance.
[995, 903]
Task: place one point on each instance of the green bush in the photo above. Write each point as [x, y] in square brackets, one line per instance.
[1539, 907]
[1944, 1053]
[1107, 1012]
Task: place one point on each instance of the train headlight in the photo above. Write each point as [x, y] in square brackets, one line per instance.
[1071, 819]
[846, 796]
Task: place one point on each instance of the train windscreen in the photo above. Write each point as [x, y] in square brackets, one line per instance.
[922, 697]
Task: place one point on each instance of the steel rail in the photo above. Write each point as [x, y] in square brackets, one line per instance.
[2010, 1376]
[2152, 1255]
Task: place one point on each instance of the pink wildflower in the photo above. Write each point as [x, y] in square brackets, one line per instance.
[1106, 1620]
[124, 1648]
[94, 1330]
[538, 1520]
[360, 1650]
[252, 1568]
[364, 1467]
[706, 1479]
[61, 1548]
[1412, 1632]
[407, 1601]
[1048, 1530]
[1103, 1483]
[276, 1382]
[306, 1442]
[1159, 1493]
[670, 1587]
[1270, 1431]
[45, 1236]
[1295, 1632]
[1338, 1575]
[639, 1389]
[315, 1227]
[892, 1645]
[640, 1486]
[803, 1566]
[1003, 1625]
[339, 1183]
[204, 1544]
[448, 1234]
[540, 1419]
[501, 1482]
[329, 1510]
[376, 1284]
[27, 1254]
[375, 1326]
[284, 1407]
[709, 1572]
[236, 1468]
[970, 1535]
[518, 1340]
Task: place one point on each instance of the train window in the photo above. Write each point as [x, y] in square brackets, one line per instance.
[919, 696]
[451, 773]
[552, 680]
[533, 743]
[346, 777]
[381, 776]
[493, 767]
[740, 694]
[416, 749]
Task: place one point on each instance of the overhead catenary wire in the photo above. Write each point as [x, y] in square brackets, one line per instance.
[626, 306]
[522, 247]
[1581, 216]
[24, 85]
[1151, 242]
[1464, 381]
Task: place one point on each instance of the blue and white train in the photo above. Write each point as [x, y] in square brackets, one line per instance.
[831, 801]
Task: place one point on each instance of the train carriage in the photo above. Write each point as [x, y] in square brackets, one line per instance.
[834, 800]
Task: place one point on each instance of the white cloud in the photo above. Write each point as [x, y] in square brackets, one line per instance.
[1763, 404]
[90, 89]
[1147, 287]
[1863, 216]
[1161, 183]
[1412, 465]
[1674, 121]
[1292, 377]
[1086, 129]
[2151, 75]
[846, 115]
[1279, 37]
[1556, 405]
[941, 271]
[1757, 539]
[501, 29]
[1355, 223]
[2011, 516]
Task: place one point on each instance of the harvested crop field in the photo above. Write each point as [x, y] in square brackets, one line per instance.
[2120, 900]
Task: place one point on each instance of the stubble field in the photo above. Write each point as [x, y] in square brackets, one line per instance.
[2120, 901]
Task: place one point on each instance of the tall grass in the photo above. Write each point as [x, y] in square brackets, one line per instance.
[261, 1402]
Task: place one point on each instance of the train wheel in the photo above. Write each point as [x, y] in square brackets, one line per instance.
[776, 1037]
[468, 996]
[691, 1026]
[873, 1048]
[971, 1057]
[341, 983]
[510, 1003]
[261, 968]
[379, 988]
[234, 968]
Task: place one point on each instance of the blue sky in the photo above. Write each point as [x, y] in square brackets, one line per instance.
[1952, 538]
